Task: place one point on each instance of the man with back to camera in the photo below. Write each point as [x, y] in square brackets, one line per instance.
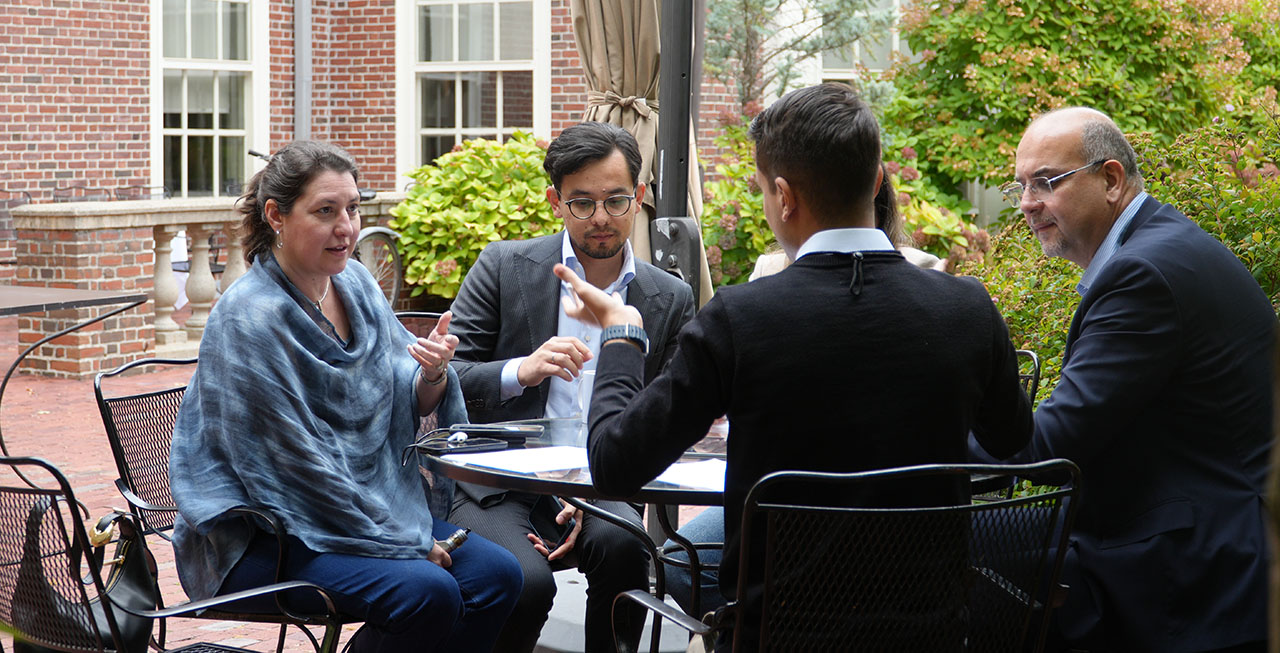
[520, 357]
[828, 348]
[1162, 402]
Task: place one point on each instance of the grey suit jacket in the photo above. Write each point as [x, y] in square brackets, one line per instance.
[509, 305]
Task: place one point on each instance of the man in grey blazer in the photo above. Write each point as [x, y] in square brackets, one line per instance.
[520, 357]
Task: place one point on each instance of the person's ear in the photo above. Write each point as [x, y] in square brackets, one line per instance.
[1113, 173]
[640, 188]
[271, 211]
[553, 198]
[786, 198]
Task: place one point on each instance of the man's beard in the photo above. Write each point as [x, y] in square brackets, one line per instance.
[598, 253]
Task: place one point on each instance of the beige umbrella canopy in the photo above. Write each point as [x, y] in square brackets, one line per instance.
[618, 43]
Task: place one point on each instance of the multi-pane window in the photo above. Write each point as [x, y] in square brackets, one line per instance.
[474, 71]
[870, 53]
[205, 93]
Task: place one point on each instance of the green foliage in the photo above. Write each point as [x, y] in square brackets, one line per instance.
[931, 215]
[986, 67]
[1036, 295]
[750, 50]
[1224, 177]
[481, 192]
[733, 225]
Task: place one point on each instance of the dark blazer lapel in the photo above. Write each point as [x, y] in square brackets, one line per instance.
[655, 309]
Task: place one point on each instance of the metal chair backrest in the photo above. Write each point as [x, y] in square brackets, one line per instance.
[419, 323]
[139, 192]
[876, 577]
[42, 547]
[139, 428]
[80, 193]
[1029, 372]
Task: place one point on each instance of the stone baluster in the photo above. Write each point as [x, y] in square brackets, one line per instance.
[235, 257]
[166, 288]
[200, 284]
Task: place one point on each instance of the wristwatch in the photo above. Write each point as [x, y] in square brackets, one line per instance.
[626, 332]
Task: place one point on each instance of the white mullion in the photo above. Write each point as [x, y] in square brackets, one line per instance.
[217, 124]
[519, 65]
[497, 119]
[218, 54]
[186, 21]
[186, 169]
[210, 64]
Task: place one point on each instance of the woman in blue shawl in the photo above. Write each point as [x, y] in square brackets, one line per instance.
[302, 402]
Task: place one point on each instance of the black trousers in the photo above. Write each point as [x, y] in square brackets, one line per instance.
[612, 559]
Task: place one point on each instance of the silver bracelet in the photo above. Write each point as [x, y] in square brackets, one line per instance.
[444, 376]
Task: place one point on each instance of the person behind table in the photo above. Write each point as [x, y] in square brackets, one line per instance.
[307, 391]
[520, 357]
[708, 526]
[824, 353]
[888, 219]
[1162, 402]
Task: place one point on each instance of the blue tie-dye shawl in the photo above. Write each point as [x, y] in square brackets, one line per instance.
[281, 415]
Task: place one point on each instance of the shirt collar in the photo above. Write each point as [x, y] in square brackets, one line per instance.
[845, 241]
[1109, 244]
[625, 275]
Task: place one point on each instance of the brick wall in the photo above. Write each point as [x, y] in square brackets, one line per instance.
[74, 93]
[103, 259]
[568, 86]
[280, 27]
[361, 111]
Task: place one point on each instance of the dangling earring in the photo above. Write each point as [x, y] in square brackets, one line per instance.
[279, 245]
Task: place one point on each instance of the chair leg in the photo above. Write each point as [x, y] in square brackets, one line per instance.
[332, 632]
[280, 639]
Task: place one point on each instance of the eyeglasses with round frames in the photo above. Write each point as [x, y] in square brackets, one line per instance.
[1039, 187]
[583, 208]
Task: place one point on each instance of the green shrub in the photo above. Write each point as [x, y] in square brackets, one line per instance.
[734, 230]
[481, 192]
[932, 216]
[1036, 295]
[1224, 177]
[986, 67]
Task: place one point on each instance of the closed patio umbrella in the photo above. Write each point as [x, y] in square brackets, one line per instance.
[618, 44]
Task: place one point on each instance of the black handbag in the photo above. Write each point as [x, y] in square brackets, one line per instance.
[130, 581]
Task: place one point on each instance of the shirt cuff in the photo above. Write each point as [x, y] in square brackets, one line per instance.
[509, 386]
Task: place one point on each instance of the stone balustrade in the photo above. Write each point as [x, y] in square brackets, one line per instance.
[125, 246]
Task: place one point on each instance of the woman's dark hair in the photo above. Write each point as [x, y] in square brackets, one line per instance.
[588, 142]
[888, 218]
[284, 179]
[824, 140]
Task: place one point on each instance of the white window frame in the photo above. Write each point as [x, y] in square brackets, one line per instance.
[409, 133]
[853, 74]
[257, 113]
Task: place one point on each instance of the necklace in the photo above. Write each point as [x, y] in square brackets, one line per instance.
[328, 282]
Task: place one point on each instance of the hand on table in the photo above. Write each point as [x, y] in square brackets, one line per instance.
[435, 351]
[591, 305]
[544, 547]
[561, 356]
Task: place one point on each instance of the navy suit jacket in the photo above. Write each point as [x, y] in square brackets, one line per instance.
[1164, 404]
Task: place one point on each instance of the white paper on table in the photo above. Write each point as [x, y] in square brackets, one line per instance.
[704, 474]
[525, 461]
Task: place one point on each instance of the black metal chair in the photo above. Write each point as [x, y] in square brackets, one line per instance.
[139, 192]
[884, 576]
[80, 193]
[1029, 372]
[52, 592]
[140, 428]
[419, 323]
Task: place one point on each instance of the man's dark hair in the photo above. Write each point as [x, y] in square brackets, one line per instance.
[825, 141]
[589, 142]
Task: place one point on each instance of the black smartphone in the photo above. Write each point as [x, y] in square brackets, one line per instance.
[509, 432]
[441, 446]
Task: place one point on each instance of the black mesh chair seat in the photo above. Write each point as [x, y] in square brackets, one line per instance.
[140, 428]
[838, 562]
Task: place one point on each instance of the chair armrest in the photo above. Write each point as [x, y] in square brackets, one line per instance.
[650, 602]
[191, 608]
[138, 502]
[276, 527]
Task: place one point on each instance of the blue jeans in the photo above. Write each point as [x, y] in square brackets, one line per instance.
[407, 605]
[708, 526]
